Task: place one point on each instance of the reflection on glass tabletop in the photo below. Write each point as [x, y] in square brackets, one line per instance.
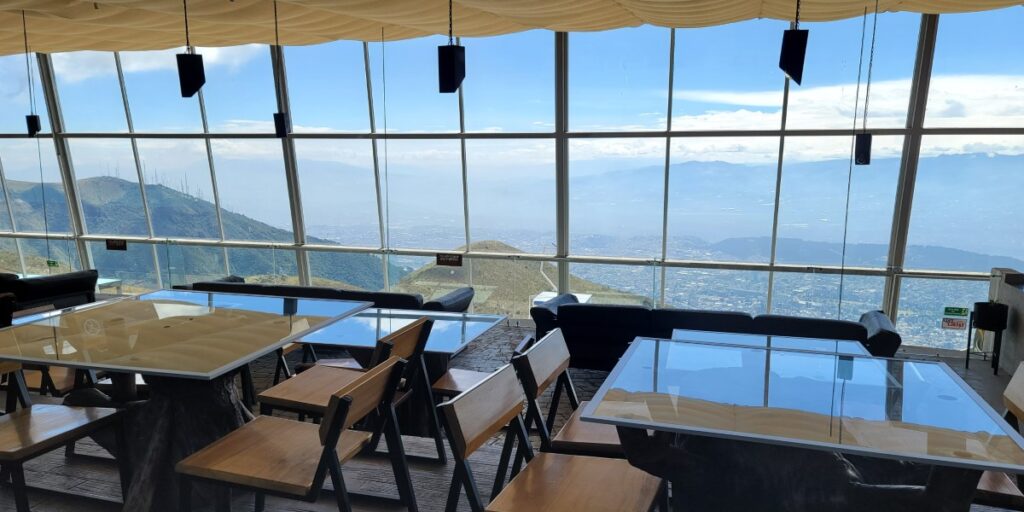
[909, 410]
[771, 341]
[449, 335]
[171, 333]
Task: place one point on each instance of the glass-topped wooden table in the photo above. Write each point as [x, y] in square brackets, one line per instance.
[188, 346]
[450, 334]
[847, 347]
[170, 333]
[909, 411]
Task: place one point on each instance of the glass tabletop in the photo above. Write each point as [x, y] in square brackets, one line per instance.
[770, 341]
[451, 332]
[172, 333]
[907, 410]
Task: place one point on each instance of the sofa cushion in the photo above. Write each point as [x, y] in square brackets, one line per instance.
[803, 327]
[598, 334]
[456, 301]
[379, 299]
[665, 320]
[59, 290]
[883, 340]
[545, 314]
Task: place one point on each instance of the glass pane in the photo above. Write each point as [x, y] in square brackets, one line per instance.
[26, 164]
[133, 268]
[618, 79]
[14, 97]
[264, 265]
[812, 210]
[423, 187]
[90, 95]
[829, 92]
[615, 284]
[505, 287]
[963, 218]
[727, 77]
[817, 295]
[108, 186]
[510, 83]
[185, 264]
[178, 188]
[405, 87]
[154, 95]
[38, 254]
[419, 274]
[511, 195]
[616, 191]
[339, 194]
[974, 81]
[253, 189]
[10, 263]
[349, 271]
[239, 92]
[722, 198]
[722, 290]
[327, 87]
[922, 302]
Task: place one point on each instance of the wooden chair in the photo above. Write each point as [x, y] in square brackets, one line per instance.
[546, 363]
[998, 489]
[283, 457]
[550, 481]
[14, 388]
[281, 367]
[455, 381]
[41, 428]
[307, 393]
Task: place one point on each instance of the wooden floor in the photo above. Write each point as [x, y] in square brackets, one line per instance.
[89, 482]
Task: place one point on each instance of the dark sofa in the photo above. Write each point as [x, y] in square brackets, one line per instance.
[456, 301]
[597, 334]
[60, 290]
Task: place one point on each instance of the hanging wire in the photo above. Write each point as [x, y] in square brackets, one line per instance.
[39, 146]
[796, 21]
[871, 65]
[387, 181]
[188, 44]
[277, 34]
[849, 174]
[28, 67]
[450, 32]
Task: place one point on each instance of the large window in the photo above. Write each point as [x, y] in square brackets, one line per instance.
[642, 194]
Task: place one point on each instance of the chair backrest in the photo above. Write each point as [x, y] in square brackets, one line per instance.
[1013, 396]
[481, 411]
[410, 341]
[364, 395]
[542, 364]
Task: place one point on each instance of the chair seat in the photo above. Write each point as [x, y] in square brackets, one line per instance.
[584, 437]
[8, 367]
[309, 391]
[345, 362]
[456, 380]
[998, 489]
[63, 379]
[270, 453]
[291, 347]
[40, 428]
[555, 482]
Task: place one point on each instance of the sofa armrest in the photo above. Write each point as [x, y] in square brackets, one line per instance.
[545, 314]
[457, 301]
[883, 340]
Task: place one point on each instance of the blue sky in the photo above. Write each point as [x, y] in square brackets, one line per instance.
[725, 78]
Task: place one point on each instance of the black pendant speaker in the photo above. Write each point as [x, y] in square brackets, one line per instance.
[794, 49]
[862, 149]
[191, 75]
[451, 67]
[32, 123]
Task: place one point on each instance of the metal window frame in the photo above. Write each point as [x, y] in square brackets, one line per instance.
[913, 133]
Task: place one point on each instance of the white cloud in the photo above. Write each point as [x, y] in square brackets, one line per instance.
[79, 66]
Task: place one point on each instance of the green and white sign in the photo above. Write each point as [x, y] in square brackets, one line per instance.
[955, 311]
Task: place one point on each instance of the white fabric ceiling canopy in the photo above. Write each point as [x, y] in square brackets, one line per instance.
[68, 25]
